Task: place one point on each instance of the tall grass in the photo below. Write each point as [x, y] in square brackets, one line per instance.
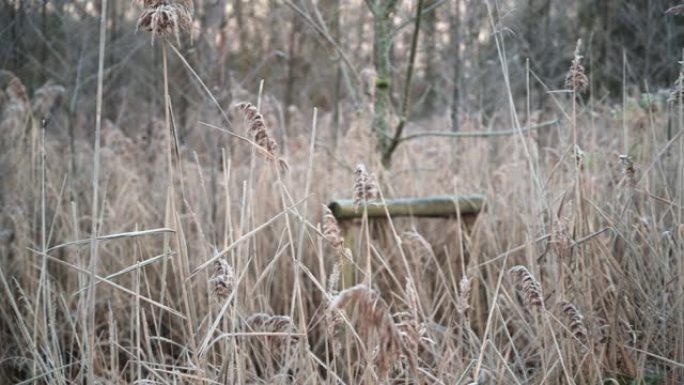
[236, 273]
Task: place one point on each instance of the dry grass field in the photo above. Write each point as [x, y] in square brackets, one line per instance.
[212, 259]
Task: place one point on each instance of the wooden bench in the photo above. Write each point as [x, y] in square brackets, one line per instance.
[440, 206]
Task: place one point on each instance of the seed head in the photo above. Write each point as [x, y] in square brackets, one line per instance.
[576, 80]
[528, 286]
[374, 325]
[278, 346]
[163, 19]
[677, 92]
[628, 170]
[256, 128]
[365, 189]
[574, 320]
[331, 230]
[676, 10]
[222, 281]
[463, 304]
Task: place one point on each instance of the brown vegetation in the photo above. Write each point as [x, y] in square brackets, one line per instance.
[208, 265]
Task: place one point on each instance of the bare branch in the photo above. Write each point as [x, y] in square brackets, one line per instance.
[476, 134]
[387, 155]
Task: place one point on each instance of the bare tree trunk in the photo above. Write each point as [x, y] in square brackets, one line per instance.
[291, 56]
[16, 9]
[222, 49]
[604, 45]
[360, 27]
[44, 31]
[242, 33]
[456, 52]
[471, 19]
[335, 26]
[274, 30]
[257, 44]
[329, 10]
[432, 81]
[114, 32]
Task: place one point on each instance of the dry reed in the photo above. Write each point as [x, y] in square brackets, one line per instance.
[576, 79]
[677, 92]
[222, 281]
[463, 304]
[375, 325]
[628, 171]
[528, 287]
[279, 346]
[334, 278]
[365, 189]
[676, 10]
[46, 98]
[331, 230]
[419, 246]
[256, 128]
[163, 18]
[575, 321]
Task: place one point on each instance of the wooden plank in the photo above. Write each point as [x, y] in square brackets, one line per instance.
[433, 206]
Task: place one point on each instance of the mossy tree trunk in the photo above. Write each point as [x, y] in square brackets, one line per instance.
[382, 42]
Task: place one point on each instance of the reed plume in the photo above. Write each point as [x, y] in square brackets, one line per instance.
[576, 79]
[46, 98]
[280, 346]
[365, 189]
[163, 18]
[334, 278]
[331, 230]
[411, 324]
[418, 246]
[528, 287]
[579, 157]
[676, 10]
[14, 103]
[256, 128]
[375, 325]
[628, 170]
[222, 281]
[575, 321]
[677, 92]
[463, 304]
[13, 88]
[560, 239]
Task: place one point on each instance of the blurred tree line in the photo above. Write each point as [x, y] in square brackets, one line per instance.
[321, 52]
